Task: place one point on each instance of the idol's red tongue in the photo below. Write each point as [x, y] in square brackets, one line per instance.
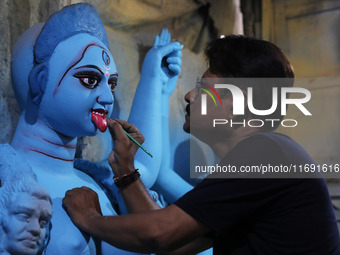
[99, 121]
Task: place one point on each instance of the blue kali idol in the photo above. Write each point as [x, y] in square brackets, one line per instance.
[64, 74]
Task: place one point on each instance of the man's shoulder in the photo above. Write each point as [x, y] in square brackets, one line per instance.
[270, 138]
[266, 147]
[263, 142]
[269, 141]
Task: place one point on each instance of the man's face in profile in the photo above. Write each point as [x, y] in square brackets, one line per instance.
[201, 125]
[26, 223]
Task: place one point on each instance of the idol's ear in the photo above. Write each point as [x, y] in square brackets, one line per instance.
[37, 82]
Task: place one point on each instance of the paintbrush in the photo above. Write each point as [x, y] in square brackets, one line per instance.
[138, 144]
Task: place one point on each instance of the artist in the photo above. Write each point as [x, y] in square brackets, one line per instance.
[234, 216]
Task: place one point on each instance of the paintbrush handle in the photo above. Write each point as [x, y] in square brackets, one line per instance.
[139, 145]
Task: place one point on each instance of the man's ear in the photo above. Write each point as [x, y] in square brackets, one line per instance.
[37, 82]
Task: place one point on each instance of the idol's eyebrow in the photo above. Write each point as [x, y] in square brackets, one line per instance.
[24, 209]
[91, 66]
[114, 75]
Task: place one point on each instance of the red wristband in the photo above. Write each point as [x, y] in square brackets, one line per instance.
[126, 179]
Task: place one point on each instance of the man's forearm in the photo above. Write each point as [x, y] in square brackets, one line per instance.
[137, 198]
[132, 233]
[156, 231]
[150, 232]
[196, 246]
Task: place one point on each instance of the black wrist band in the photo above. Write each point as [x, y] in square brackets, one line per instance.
[126, 179]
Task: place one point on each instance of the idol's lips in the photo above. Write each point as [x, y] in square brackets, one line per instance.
[32, 243]
[30, 237]
[98, 117]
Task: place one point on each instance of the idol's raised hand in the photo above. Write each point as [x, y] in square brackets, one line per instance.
[163, 61]
[171, 64]
[158, 80]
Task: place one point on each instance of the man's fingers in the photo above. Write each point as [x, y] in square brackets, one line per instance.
[74, 191]
[81, 203]
[117, 127]
[116, 131]
[128, 127]
[132, 130]
[71, 191]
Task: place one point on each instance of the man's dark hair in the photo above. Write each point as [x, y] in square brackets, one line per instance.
[237, 56]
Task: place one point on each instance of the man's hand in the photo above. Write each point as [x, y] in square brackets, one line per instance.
[82, 205]
[121, 159]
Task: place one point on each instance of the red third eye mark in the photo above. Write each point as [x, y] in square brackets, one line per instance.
[107, 74]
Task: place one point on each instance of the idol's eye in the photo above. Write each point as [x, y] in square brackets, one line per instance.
[89, 80]
[43, 223]
[113, 83]
[24, 217]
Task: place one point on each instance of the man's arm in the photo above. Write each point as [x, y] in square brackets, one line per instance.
[137, 199]
[194, 247]
[121, 159]
[156, 231]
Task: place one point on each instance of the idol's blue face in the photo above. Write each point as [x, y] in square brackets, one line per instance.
[81, 79]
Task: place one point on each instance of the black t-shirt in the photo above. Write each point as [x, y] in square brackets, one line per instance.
[265, 216]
